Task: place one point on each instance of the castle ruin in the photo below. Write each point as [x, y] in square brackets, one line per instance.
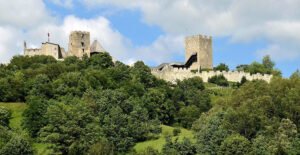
[199, 63]
[79, 45]
[198, 58]
[200, 47]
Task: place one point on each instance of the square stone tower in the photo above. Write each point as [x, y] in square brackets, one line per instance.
[201, 46]
[79, 43]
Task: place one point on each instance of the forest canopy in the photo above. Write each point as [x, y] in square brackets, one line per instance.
[94, 105]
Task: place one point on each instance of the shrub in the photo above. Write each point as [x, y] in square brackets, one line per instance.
[176, 131]
[221, 67]
[235, 144]
[219, 80]
[5, 115]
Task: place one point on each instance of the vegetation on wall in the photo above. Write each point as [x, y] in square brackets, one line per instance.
[266, 67]
[219, 80]
[221, 67]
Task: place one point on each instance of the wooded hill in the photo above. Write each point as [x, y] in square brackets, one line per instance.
[94, 106]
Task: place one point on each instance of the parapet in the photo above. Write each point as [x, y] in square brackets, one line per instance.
[80, 32]
[173, 74]
[199, 36]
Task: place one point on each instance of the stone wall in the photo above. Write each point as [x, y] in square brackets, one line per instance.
[79, 43]
[32, 51]
[202, 45]
[172, 74]
[47, 48]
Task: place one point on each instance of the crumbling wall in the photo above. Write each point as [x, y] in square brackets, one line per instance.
[172, 74]
[79, 43]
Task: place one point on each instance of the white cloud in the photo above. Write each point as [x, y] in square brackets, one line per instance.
[63, 3]
[100, 28]
[161, 50]
[275, 21]
[278, 53]
[8, 43]
[23, 14]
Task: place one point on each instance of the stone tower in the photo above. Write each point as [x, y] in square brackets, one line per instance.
[79, 43]
[201, 47]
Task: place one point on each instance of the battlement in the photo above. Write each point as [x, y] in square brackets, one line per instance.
[202, 46]
[199, 36]
[172, 74]
[79, 43]
[80, 32]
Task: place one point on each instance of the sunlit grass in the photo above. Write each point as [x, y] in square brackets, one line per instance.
[17, 111]
[158, 143]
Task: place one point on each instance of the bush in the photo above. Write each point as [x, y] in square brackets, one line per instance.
[219, 80]
[235, 144]
[5, 115]
[17, 145]
[221, 67]
[176, 131]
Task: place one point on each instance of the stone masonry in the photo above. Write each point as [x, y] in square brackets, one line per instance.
[172, 74]
[202, 46]
[79, 43]
[198, 56]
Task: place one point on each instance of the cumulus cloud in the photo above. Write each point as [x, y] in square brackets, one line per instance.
[8, 43]
[100, 28]
[278, 53]
[23, 14]
[275, 21]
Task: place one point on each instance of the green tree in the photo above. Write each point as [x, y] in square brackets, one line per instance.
[70, 128]
[40, 86]
[141, 73]
[101, 60]
[103, 147]
[210, 132]
[179, 148]
[34, 115]
[221, 67]
[187, 115]
[158, 105]
[264, 145]
[16, 145]
[72, 83]
[235, 144]
[268, 63]
[5, 116]
[219, 80]
[286, 137]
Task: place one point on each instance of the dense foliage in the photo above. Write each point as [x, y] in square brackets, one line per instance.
[221, 67]
[260, 118]
[95, 106]
[266, 67]
[78, 104]
[219, 80]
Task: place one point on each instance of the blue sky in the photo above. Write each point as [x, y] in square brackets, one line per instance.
[154, 31]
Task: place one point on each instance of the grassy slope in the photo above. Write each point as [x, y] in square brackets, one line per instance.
[220, 93]
[158, 143]
[16, 120]
[17, 110]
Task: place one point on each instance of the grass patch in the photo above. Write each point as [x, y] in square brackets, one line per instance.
[17, 111]
[42, 149]
[159, 143]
